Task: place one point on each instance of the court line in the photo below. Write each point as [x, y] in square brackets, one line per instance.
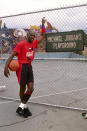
[45, 104]
[60, 106]
[6, 102]
[64, 92]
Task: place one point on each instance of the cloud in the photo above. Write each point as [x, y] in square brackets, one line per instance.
[10, 7]
[63, 19]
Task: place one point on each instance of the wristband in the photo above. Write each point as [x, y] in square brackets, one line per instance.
[43, 31]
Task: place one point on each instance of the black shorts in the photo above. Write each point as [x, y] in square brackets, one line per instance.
[26, 74]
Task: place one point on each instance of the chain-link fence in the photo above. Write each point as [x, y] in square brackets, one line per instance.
[60, 82]
[58, 20]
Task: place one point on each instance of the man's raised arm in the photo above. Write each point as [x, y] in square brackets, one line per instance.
[43, 31]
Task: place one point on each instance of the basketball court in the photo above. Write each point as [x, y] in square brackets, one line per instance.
[59, 98]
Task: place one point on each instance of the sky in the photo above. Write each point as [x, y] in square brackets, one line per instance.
[12, 7]
[63, 20]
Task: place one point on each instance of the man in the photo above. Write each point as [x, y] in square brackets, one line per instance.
[25, 51]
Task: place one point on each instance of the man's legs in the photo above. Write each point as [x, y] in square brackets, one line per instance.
[27, 95]
[24, 96]
[22, 91]
[20, 109]
[29, 91]
[26, 78]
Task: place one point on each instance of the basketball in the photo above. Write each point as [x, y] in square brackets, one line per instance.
[14, 65]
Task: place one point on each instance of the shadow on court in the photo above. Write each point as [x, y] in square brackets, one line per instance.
[44, 118]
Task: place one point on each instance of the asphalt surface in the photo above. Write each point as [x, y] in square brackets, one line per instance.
[59, 98]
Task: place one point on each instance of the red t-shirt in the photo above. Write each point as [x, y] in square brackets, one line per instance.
[26, 51]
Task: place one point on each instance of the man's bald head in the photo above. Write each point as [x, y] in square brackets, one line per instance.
[30, 36]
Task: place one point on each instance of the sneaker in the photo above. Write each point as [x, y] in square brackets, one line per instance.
[20, 111]
[27, 112]
[84, 114]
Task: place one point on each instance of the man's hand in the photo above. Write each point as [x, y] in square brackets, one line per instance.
[6, 72]
[43, 20]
